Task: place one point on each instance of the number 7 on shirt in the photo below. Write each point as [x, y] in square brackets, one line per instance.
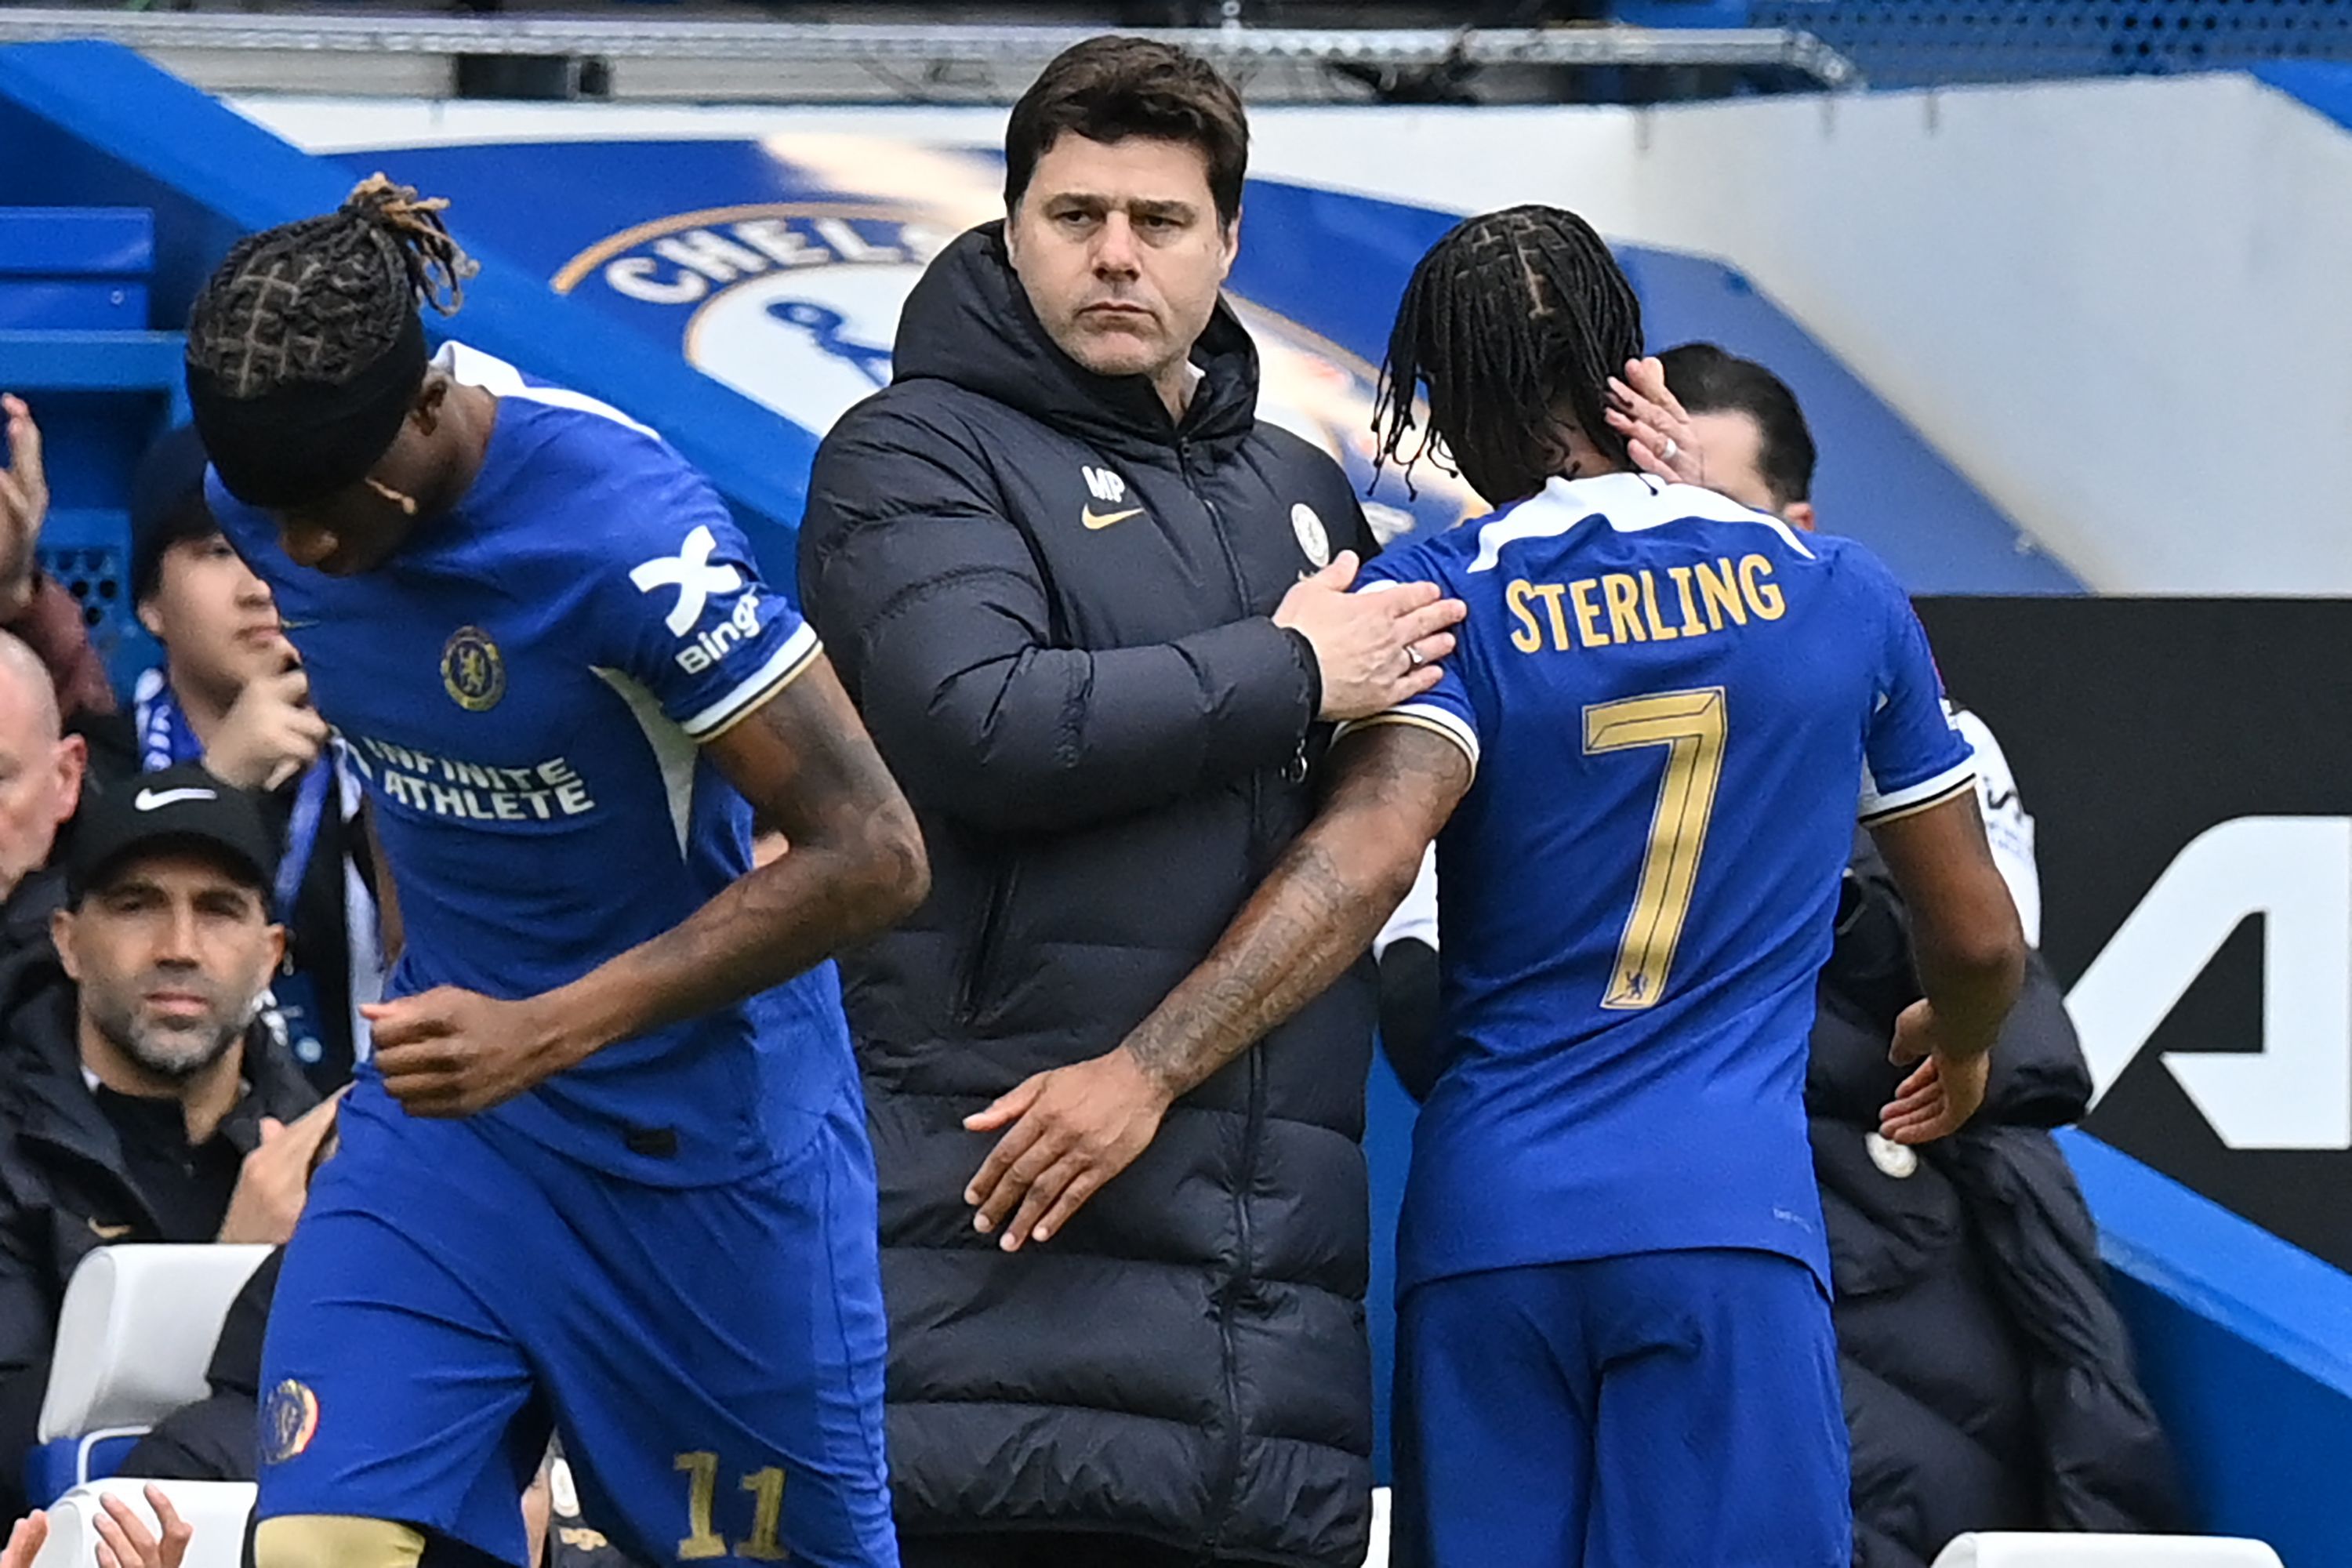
[1690, 725]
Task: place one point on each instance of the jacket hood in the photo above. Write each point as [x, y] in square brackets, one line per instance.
[969, 322]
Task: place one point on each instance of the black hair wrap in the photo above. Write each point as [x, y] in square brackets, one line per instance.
[303, 441]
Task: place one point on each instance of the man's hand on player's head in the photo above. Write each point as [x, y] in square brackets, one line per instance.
[1361, 641]
[1657, 430]
[1067, 1132]
[274, 1181]
[447, 1052]
[1937, 1099]
[269, 733]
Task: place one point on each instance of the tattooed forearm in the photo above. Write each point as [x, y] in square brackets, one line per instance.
[1320, 908]
[855, 865]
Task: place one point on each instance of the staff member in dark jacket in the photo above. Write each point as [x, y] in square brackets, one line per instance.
[1060, 564]
[1988, 1379]
[141, 1102]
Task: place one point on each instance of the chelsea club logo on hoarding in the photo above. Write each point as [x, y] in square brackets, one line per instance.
[796, 304]
[791, 303]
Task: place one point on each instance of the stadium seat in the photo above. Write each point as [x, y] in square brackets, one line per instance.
[2020, 1550]
[134, 1340]
[217, 1510]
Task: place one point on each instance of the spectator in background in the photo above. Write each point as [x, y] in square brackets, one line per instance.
[40, 783]
[137, 1101]
[40, 612]
[1987, 1380]
[1093, 611]
[230, 694]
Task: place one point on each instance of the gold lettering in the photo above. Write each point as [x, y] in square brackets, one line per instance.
[1721, 593]
[1526, 637]
[1624, 607]
[1764, 597]
[1692, 626]
[1659, 631]
[1588, 613]
[1560, 637]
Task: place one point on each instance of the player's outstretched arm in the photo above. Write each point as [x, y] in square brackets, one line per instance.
[1970, 952]
[856, 864]
[1071, 1129]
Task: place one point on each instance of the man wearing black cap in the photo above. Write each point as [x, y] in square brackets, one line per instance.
[142, 1103]
[231, 693]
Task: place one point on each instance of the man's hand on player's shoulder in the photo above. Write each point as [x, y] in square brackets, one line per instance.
[447, 1052]
[1371, 650]
[1067, 1132]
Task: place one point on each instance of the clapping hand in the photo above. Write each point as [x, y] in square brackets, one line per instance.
[123, 1539]
[24, 504]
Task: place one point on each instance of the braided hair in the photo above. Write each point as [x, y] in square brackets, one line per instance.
[319, 300]
[1510, 317]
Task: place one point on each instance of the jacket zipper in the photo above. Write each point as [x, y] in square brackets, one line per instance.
[1229, 1482]
[1241, 600]
[984, 944]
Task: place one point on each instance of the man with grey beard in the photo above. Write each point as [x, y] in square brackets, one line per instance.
[138, 1099]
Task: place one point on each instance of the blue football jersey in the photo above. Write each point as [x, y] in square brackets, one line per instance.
[524, 687]
[1670, 702]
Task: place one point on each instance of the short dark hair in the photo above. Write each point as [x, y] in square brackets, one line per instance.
[1112, 87]
[167, 507]
[1507, 316]
[1707, 380]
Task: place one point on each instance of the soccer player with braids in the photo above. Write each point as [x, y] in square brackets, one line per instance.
[607, 1169]
[1640, 769]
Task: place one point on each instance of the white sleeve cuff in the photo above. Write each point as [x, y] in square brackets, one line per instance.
[1428, 716]
[798, 652]
[1882, 806]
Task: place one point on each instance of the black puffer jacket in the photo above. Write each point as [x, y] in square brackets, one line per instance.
[1988, 1380]
[1050, 603]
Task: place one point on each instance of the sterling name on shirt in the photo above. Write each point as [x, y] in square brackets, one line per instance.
[1632, 606]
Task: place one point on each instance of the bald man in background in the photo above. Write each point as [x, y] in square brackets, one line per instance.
[41, 784]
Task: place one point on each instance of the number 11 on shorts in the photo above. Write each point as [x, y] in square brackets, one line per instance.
[703, 1541]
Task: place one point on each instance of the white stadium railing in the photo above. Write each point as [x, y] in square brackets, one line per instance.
[922, 60]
